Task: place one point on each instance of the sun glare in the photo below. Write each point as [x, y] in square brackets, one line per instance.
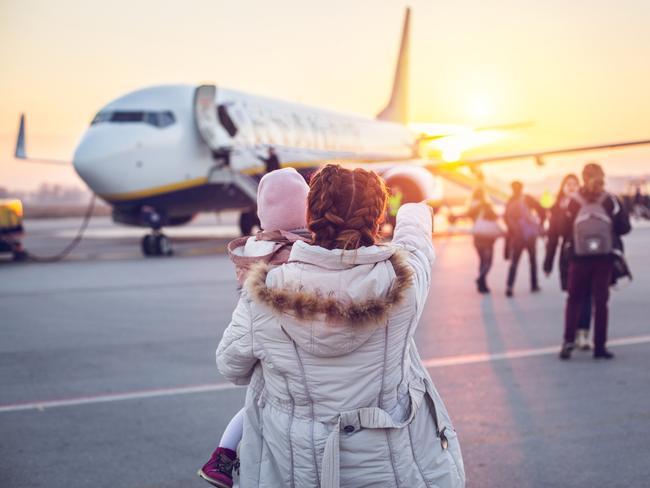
[451, 154]
[451, 148]
[479, 107]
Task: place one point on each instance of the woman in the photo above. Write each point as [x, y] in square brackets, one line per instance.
[337, 394]
[486, 230]
[569, 186]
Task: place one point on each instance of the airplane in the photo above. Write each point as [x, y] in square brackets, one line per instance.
[162, 154]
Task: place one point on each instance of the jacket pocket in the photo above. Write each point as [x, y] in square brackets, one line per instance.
[449, 437]
[436, 453]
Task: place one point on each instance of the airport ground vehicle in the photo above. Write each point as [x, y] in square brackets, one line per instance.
[11, 228]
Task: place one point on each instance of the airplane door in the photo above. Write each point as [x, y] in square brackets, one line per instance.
[205, 115]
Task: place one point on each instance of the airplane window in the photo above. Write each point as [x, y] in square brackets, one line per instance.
[157, 119]
[128, 117]
[151, 118]
[165, 119]
[101, 117]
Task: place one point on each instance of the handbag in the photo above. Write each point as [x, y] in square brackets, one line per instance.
[620, 270]
[487, 228]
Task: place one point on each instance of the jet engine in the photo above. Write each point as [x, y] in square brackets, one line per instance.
[413, 183]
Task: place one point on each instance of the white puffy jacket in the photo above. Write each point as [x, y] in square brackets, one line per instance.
[337, 394]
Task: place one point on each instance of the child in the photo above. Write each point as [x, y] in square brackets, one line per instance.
[282, 209]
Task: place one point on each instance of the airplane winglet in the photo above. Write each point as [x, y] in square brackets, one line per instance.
[20, 152]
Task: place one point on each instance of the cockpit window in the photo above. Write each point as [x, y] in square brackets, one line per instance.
[156, 119]
[101, 117]
[165, 119]
[127, 117]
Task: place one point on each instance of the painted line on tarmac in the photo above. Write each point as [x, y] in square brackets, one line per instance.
[186, 390]
[116, 397]
[520, 353]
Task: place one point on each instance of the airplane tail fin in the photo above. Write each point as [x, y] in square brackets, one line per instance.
[21, 152]
[396, 110]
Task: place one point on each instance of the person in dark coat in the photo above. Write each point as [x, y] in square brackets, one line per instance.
[569, 186]
[591, 272]
[524, 218]
[272, 162]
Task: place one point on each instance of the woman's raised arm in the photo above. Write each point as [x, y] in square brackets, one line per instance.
[414, 228]
[413, 234]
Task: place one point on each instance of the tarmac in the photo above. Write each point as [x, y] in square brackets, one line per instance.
[107, 374]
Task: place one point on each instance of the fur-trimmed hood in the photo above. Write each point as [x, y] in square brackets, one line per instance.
[330, 301]
[309, 303]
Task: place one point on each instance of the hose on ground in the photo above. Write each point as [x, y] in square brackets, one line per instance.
[72, 244]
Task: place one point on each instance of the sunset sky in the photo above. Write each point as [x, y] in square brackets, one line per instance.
[580, 70]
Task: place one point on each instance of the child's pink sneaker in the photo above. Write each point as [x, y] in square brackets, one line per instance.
[218, 470]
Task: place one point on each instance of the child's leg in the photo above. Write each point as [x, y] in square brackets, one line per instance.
[218, 470]
[234, 431]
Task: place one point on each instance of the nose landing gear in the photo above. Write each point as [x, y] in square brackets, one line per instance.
[156, 243]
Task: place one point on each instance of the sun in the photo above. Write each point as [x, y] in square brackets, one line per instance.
[479, 107]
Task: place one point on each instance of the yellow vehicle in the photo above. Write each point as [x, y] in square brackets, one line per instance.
[11, 228]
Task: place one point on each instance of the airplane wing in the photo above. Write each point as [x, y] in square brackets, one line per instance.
[538, 156]
[427, 137]
[21, 151]
[448, 170]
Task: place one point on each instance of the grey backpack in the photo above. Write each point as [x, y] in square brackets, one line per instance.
[592, 228]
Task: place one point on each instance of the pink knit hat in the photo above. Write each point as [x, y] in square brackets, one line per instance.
[282, 200]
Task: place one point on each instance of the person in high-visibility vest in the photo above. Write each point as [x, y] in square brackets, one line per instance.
[547, 199]
[394, 202]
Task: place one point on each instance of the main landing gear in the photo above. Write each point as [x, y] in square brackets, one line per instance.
[248, 221]
[156, 244]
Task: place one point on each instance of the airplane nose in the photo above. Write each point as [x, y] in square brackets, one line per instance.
[100, 159]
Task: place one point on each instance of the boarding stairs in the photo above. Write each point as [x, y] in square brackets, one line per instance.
[206, 116]
[227, 176]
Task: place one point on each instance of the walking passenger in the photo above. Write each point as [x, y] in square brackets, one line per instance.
[557, 222]
[486, 231]
[524, 218]
[337, 394]
[641, 210]
[595, 223]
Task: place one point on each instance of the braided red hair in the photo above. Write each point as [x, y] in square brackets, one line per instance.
[345, 207]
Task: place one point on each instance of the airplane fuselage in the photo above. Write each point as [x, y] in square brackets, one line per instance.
[144, 149]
